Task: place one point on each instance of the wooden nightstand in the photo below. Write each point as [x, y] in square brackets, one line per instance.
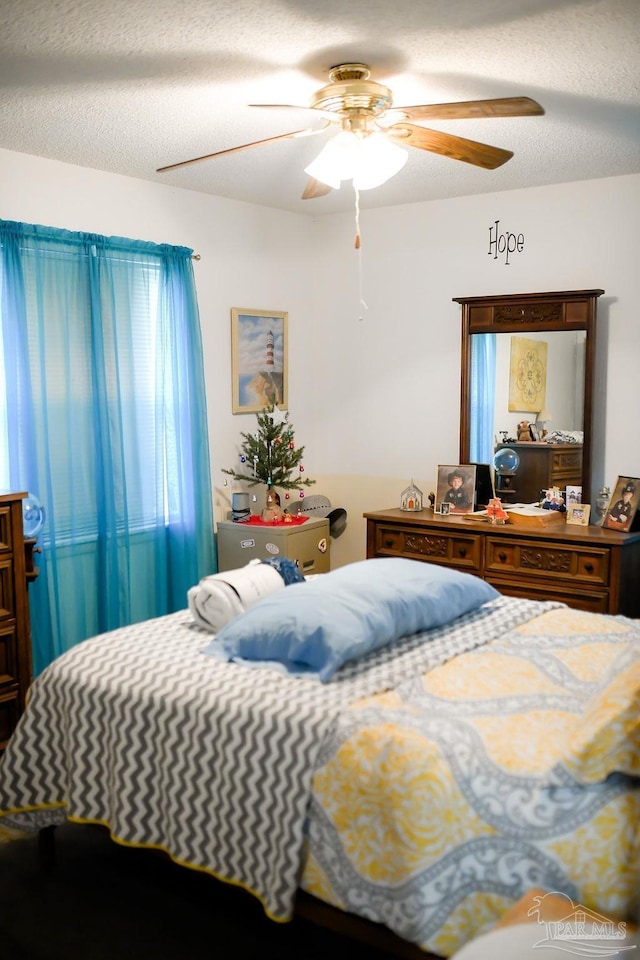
[15, 640]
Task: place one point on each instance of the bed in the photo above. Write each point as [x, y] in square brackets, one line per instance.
[425, 785]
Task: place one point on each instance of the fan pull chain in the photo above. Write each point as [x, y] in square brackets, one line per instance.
[357, 244]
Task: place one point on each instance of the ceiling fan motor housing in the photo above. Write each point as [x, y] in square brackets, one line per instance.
[351, 90]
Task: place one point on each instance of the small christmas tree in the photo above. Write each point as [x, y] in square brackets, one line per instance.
[271, 457]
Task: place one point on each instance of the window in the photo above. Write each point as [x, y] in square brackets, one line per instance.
[103, 418]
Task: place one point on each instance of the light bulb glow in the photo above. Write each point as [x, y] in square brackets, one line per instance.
[378, 161]
[368, 160]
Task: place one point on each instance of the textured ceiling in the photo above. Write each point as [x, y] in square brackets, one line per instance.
[131, 85]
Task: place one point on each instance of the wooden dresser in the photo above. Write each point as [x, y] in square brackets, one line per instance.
[544, 465]
[15, 642]
[585, 567]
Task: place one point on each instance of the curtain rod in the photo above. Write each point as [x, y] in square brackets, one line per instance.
[196, 256]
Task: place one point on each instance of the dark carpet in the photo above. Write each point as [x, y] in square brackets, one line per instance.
[103, 901]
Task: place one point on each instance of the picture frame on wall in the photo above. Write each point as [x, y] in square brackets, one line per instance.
[623, 504]
[527, 375]
[456, 488]
[259, 363]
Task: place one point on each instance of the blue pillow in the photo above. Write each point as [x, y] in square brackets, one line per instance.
[316, 626]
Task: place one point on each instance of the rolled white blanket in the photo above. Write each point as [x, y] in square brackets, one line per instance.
[219, 598]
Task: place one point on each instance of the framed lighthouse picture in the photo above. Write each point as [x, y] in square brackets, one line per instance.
[258, 359]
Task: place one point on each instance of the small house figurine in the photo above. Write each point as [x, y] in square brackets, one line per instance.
[411, 498]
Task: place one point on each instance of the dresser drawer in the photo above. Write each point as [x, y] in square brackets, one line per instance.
[6, 538]
[566, 466]
[9, 713]
[8, 654]
[460, 550]
[7, 601]
[548, 561]
[593, 600]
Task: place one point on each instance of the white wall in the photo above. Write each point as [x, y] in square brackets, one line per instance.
[250, 257]
[375, 401]
[388, 385]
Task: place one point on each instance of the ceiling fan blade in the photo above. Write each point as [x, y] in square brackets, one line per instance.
[244, 146]
[315, 188]
[470, 109]
[470, 151]
[277, 106]
[329, 114]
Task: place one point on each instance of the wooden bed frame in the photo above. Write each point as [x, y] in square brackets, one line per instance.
[307, 907]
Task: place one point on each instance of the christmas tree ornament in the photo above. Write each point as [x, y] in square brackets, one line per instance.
[277, 416]
[271, 512]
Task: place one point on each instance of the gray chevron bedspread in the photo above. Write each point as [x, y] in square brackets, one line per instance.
[210, 761]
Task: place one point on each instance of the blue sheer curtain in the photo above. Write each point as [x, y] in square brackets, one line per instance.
[107, 426]
[482, 405]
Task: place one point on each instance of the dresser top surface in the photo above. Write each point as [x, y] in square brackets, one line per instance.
[538, 445]
[7, 497]
[559, 531]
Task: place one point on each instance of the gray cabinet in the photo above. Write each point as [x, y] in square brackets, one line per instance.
[307, 543]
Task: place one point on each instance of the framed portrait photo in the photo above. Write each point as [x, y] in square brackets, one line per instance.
[623, 504]
[456, 488]
[258, 359]
[573, 494]
[578, 513]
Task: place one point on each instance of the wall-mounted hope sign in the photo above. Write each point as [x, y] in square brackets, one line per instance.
[504, 244]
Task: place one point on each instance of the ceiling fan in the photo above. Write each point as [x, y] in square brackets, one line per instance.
[364, 112]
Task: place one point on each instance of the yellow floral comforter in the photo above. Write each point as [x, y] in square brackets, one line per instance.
[438, 804]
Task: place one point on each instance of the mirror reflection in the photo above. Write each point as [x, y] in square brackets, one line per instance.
[527, 367]
[538, 378]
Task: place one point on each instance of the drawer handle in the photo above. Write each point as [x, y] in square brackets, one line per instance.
[463, 551]
[588, 567]
[388, 544]
[502, 557]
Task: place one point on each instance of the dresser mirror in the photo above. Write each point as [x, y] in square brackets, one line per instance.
[558, 329]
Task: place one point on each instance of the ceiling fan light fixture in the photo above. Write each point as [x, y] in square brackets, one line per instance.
[335, 161]
[379, 159]
[368, 160]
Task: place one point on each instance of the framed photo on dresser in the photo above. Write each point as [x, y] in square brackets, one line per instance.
[623, 504]
[456, 488]
[578, 513]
